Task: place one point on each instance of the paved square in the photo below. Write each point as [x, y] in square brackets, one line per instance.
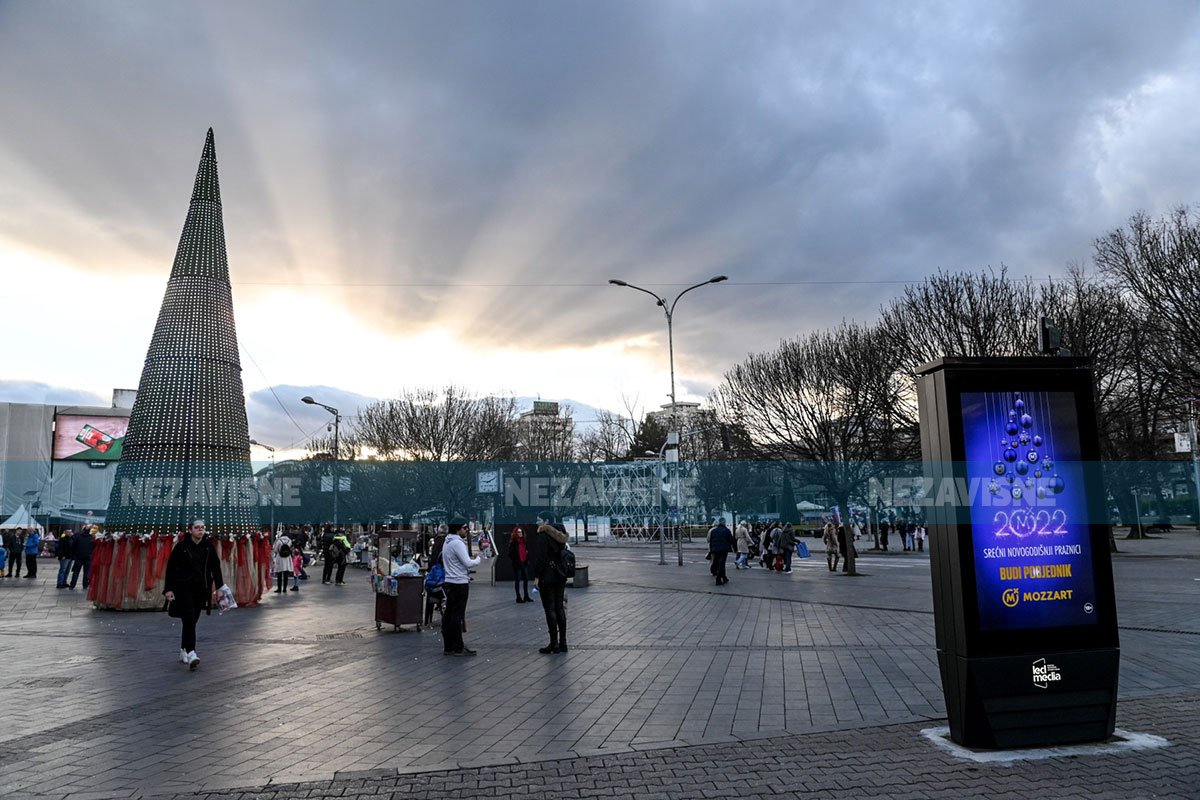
[810, 684]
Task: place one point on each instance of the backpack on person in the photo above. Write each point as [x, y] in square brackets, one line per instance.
[564, 564]
[285, 550]
[435, 577]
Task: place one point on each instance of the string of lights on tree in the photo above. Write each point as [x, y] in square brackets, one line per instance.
[187, 450]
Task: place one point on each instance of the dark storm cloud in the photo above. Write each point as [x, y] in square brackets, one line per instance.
[526, 152]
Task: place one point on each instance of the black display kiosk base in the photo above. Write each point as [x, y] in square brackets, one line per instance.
[994, 703]
[1022, 576]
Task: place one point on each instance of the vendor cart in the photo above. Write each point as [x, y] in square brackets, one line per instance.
[398, 600]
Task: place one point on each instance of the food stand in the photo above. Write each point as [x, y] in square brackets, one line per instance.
[398, 600]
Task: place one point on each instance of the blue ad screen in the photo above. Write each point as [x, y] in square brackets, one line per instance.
[1032, 544]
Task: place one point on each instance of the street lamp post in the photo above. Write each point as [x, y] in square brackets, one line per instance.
[669, 311]
[270, 450]
[337, 419]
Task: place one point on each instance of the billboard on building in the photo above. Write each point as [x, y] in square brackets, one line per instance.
[80, 437]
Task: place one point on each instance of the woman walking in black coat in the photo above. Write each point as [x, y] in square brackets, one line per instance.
[193, 571]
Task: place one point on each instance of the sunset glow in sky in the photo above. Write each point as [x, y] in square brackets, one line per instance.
[421, 193]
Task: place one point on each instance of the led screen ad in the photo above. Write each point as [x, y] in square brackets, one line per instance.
[88, 438]
[1029, 525]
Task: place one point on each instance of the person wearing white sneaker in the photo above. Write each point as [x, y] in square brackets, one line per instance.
[193, 572]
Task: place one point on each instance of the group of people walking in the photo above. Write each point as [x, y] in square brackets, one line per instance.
[911, 534]
[774, 545]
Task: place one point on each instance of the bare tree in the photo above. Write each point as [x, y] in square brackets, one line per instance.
[449, 424]
[615, 436]
[1156, 263]
[349, 447]
[963, 314]
[826, 404]
[609, 440]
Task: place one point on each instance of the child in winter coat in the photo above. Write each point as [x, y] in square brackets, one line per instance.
[297, 568]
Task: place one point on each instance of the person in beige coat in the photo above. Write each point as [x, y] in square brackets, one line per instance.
[743, 546]
[832, 554]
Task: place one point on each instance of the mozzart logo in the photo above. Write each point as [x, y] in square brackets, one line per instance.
[1045, 674]
[1010, 597]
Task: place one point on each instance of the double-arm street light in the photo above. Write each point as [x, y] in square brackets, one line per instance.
[337, 420]
[669, 311]
[270, 450]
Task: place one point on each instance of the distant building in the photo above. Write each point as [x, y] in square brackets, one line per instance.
[61, 458]
[545, 433]
[684, 413]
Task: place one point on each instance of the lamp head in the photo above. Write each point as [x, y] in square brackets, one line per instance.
[254, 443]
[307, 399]
[616, 282]
[718, 278]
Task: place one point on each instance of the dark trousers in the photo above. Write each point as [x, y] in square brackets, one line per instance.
[327, 568]
[521, 575]
[454, 615]
[64, 570]
[553, 603]
[85, 565]
[31, 565]
[188, 641]
[281, 579]
[341, 572]
[787, 557]
[718, 566]
[15, 558]
[433, 598]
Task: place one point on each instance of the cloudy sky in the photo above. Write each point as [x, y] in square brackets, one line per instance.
[423, 192]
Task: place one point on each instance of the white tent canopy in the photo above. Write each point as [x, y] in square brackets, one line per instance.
[21, 519]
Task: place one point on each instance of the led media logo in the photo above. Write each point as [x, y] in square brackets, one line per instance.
[1010, 597]
[1045, 674]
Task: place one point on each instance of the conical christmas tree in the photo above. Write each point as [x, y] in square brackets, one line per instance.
[187, 451]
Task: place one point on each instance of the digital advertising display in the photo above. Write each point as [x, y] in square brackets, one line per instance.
[88, 438]
[1028, 510]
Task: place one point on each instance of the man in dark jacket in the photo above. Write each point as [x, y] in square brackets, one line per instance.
[787, 545]
[81, 554]
[329, 554]
[65, 552]
[193, 571]
[546, 547]
[14, 543]
[720, 543]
